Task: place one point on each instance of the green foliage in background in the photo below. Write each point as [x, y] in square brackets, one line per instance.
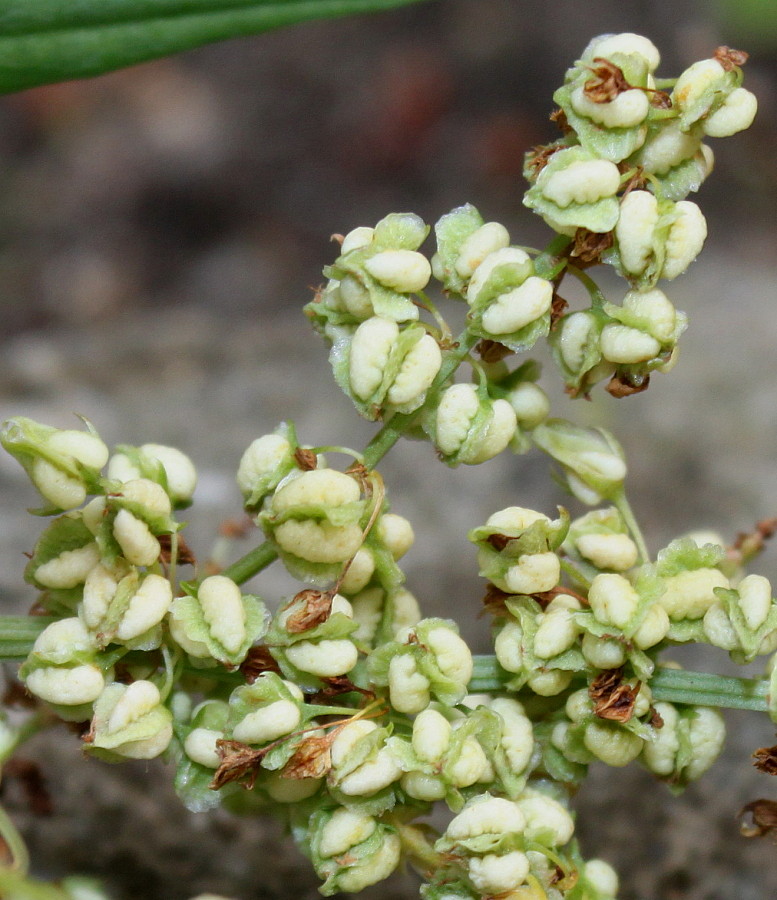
[44, 41]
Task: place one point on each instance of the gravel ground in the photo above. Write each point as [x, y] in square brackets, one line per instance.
[162, 227]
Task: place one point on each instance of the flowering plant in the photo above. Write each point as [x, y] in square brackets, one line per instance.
[342, 709]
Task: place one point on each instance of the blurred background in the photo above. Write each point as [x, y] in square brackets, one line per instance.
[160, 229]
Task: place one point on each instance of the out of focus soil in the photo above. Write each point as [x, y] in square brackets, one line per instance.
[161, 229]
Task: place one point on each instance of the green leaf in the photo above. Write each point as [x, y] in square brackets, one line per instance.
[44, 41]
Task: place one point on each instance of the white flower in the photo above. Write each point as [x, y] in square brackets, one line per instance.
[517, 732]
[325, 658]
[626, 110]
[544, 814]
[501, 257]
[147, 607]
[660, 753]
[357, 239]
[518, 307]
[492, 874]
[622, 344]
[666, 149]
[634, 232]
[360, 571]
[755, 600]
[695, 80]
[612, 599]
[408, 688]
[268, 723]
[417, 372]
[657, 315]
[603, 653]
[685, 239]
[221, 602]
[431, 735]
[200, 747]
[689, 595]
[263, 456]
[345, 829]
[736, 114]
[707, 732]
[614, 746]
[370, 348]
[66, 686]
[124, 716]
[485, 814]
[582, 181]
[70, 568]
[653, 628]
[485, 240]
[627, 43]
[452, 653]
[557, 630]
[530, 403]
[406, 271]
[179, 470]
[373, 869]
[602, 877]
[396, 532]
[137, 543]
[608, 551]
[532, 574]
[508, 647]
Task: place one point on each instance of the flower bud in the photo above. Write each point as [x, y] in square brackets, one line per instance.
[315, 517]
[581, 182]
[69, 569]
[602, 878]
[388, 366]
[625, 44]
[736, 114]
[396, 533]
[405, 271]
[130, 721]
[591, 455]
[621, 344]
[266, 461]
[637, 221]
[613, 600]
[685, 239]
[530, 404]
[479, 245]
[66, 686]
[62, 464]
[688, 595]
[547, 821]
[471, 429]
[169, 466]
[352, 851]
[612, 744]
[215, 620]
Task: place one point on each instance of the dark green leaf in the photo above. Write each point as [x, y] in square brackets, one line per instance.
[43, 41]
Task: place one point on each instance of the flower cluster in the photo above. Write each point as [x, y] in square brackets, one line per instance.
[344, 710]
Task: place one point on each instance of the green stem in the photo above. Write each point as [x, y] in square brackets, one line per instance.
[18, 634]
[594, 291]
[624, 508]
[672, 685]
[252, 563]
[14, 843]
[393, 430]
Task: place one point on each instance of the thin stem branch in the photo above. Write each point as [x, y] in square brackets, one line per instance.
[252, 563]
[398, 424]
[624, 508]
[14, 843]
[672, 685]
